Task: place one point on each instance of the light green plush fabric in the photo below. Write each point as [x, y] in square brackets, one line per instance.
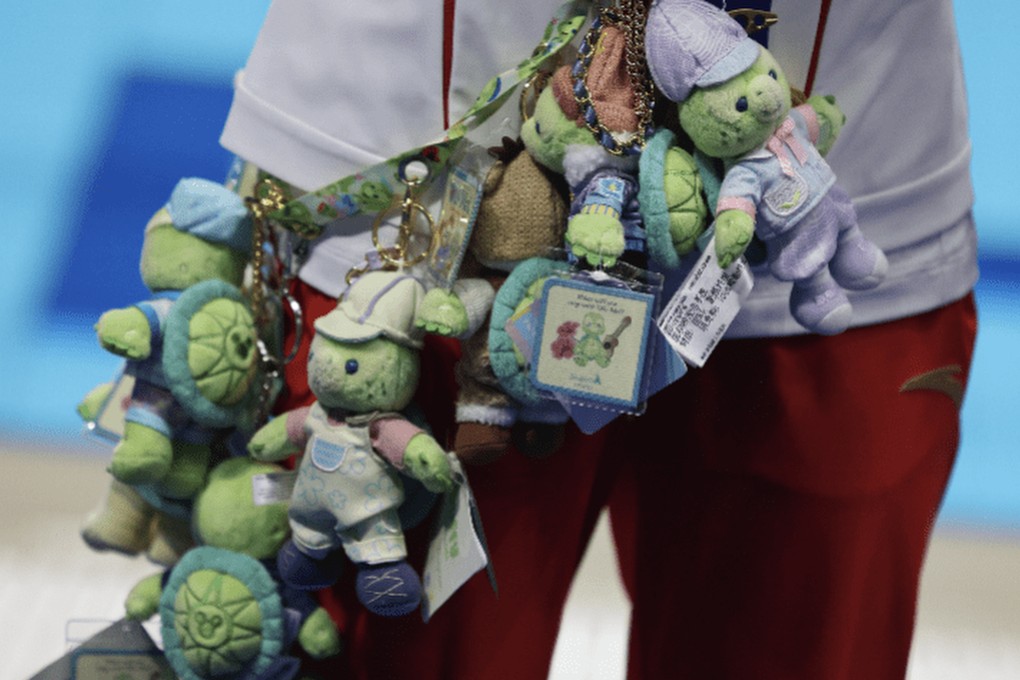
[209, 353]
[225, 515]
[221, 614]
[549, 132]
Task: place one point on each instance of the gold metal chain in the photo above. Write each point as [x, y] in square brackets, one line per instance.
[630, 16]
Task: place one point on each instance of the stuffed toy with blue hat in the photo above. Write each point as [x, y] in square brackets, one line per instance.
[223, 610]
[363, 368]
[735, 105]
[192, 348]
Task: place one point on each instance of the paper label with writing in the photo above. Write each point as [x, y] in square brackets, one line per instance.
[704, 306]
[592, 342]
[272, 487]
[457, 551]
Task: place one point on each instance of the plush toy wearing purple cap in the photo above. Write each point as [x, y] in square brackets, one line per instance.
[735, 105]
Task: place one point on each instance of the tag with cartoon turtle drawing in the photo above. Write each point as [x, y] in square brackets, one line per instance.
[593, 342]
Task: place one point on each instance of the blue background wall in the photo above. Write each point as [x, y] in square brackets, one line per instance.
[107, 104]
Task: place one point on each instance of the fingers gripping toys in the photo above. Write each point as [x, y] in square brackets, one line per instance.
[734, 103]
[363, 368]
[192, 348]
[223, 611]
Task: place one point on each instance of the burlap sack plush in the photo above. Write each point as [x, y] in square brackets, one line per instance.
[522, 214]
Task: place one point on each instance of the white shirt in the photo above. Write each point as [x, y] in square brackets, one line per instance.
[334, 87]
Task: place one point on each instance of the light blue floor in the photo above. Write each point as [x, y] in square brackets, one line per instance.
[60, 62]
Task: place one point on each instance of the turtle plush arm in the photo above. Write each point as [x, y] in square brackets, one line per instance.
[318, 635]
[143, 600]
[125, 332]
[281, 437]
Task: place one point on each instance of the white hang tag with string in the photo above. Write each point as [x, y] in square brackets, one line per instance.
[704, 306]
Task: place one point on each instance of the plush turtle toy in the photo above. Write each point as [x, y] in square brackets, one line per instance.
[363, 368]
[735, 104]
[192, 348]
[224, 612]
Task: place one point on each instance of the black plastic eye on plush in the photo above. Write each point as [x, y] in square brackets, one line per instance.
[351, 366]
[773, 75]
[742, 104]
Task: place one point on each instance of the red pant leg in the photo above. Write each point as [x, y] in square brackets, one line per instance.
[774, 520]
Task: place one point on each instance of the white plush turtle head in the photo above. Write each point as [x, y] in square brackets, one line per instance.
[737, 116]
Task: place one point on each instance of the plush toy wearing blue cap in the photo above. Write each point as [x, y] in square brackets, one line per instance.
[191, 349]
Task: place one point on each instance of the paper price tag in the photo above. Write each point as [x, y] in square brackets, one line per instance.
[704, 306]
[272, 487]
[457, 550]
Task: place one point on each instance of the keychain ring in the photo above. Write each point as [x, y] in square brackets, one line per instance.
[401, 258]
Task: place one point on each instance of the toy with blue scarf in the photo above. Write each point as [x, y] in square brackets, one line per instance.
[191, 348]
[363, 368]
[735, 104]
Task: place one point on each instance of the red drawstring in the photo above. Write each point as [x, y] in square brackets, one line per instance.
[823, 18]
[449, 9]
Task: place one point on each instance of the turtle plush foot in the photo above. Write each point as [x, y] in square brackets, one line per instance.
[122, 523]
[388, 589]
[858, 263]
[303, 572]
[142, 457]
[820, 305]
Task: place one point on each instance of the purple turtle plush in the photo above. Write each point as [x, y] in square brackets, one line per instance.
[735, 105]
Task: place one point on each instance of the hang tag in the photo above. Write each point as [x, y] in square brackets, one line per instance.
[522, 327]
[705, 305]
[461, 197]
[109, 422]
[593, 343]
[272, 487]
[458, 549]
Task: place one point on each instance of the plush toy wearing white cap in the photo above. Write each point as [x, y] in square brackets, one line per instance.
[363, 368]
[735, 106]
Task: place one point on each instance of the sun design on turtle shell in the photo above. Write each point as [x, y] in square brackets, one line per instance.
[218, 622]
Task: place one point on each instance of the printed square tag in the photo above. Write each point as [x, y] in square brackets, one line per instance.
[592, 342]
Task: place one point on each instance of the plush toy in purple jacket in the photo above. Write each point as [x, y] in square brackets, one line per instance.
[735, 105]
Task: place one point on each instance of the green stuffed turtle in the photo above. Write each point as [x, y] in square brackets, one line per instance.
[224, 612]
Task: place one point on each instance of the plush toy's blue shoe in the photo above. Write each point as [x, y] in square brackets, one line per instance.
[300, 571]
[389, 589]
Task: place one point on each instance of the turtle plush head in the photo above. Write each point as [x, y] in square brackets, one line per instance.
[226, 514]
[364, 356]
[203, 233]
[550, 131]
[378, 375]
[739, 115]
